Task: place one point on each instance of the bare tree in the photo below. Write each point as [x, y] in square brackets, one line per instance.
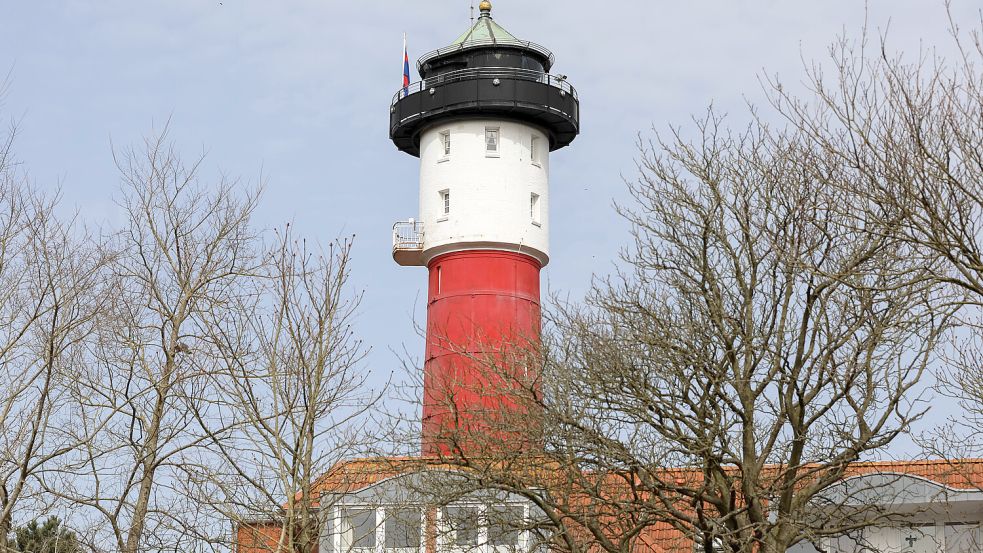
[291, 389]
[760, 339]
[908, 131]
[49, 273]
[179, 256]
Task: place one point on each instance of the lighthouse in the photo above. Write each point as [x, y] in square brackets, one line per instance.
[483, 120]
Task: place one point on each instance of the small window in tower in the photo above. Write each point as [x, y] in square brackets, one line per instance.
[534, 208]
[534, 148]
[445, 203]
[445, 142]
[492, 141]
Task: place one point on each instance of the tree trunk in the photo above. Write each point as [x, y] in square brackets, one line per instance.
[140, 508]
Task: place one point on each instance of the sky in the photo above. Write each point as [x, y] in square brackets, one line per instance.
[297, 92]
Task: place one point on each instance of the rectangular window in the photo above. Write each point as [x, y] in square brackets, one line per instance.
[357, 529]
[491, 141]
[504, 524]
[403, 529]
[445, 141]
[461, 525]
[534, 208]
[534, 150]
[329, 530]
[717, 545]
[445, 202]
[963, 538]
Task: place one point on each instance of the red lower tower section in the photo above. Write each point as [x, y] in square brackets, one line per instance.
[483, 318]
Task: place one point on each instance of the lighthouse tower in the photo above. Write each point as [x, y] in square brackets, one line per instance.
[483, 121]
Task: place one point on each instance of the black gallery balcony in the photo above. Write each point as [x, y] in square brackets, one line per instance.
[530, 96]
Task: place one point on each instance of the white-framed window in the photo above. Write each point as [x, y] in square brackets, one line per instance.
[461, 526]
[445, 203]
[493, 141]
[716, 544]
[357, 529]
[505, 524]
[445, 145]
[402, 530]
[482, 528]
[534, 209]
[535, 150]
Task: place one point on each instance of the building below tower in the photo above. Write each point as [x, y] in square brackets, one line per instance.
[405, 505]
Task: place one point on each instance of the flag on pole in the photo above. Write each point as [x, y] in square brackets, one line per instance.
[406, 68]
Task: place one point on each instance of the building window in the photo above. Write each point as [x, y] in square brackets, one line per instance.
[403, 529]
[492, 141]
[363, 529]
[717, 545]
[482, 528]
[445, 143]
[358, 528]
[461, 526]
[504, 523]
[963, 538]
[445, 203]
[534, 208]
[534, 150]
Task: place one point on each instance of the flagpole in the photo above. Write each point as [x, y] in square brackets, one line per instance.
[404, 68]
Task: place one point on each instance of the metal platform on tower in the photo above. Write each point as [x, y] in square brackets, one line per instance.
[546, 100]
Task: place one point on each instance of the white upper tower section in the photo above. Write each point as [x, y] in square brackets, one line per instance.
[484, 184]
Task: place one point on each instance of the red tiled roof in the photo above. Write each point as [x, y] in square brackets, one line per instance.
[357, 474]
[963, 474]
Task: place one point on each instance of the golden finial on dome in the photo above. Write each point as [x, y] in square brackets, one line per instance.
[485, 6]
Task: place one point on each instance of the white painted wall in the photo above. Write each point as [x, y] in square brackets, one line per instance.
[489, 195]
[922, 528]
[923, 514]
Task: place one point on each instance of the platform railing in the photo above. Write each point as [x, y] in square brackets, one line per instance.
[556, 81]
[408, 235]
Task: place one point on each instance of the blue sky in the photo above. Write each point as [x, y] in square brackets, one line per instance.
[298, 92]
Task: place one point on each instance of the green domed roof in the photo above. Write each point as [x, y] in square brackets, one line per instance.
[485, 31]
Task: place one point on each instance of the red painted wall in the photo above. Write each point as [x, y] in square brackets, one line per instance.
[483, 310]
